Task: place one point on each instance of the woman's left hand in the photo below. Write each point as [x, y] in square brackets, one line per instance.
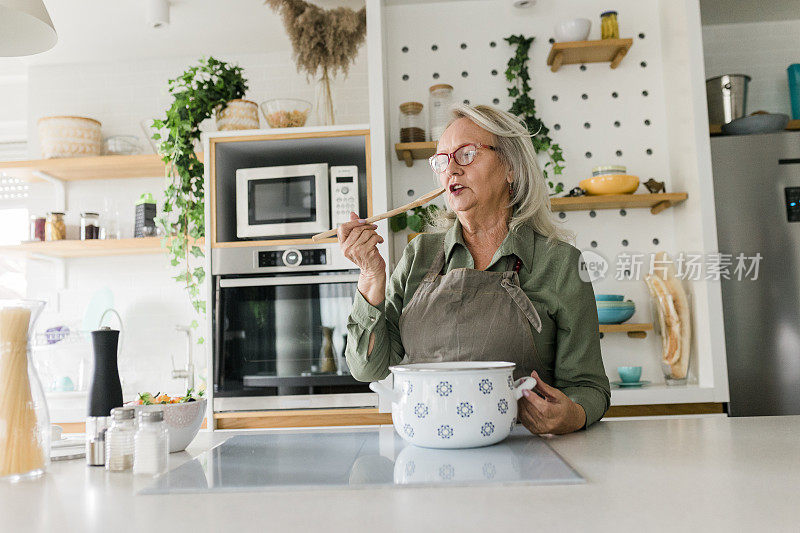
[555, 413]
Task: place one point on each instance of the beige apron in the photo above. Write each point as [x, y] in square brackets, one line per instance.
[472, 315]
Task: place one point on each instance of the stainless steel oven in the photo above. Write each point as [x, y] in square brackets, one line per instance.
[280, 328]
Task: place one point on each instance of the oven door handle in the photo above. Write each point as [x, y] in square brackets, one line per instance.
[288, 280]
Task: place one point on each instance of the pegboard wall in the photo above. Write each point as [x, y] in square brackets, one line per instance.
[599, 116]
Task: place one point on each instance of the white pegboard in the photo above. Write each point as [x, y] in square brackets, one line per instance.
[617, 116]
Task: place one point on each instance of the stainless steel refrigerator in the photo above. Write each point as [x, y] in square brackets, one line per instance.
[757, 197]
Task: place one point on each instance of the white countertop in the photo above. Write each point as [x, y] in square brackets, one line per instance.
[708, 473]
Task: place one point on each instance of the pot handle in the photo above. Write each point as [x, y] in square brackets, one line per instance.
[383, 390]
[526, 383]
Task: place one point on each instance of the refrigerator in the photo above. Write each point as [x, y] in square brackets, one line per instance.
[757, 200]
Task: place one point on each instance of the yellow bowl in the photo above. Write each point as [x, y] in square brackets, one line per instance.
[610, 184]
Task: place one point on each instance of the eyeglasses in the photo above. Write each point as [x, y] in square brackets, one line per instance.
[463, 155]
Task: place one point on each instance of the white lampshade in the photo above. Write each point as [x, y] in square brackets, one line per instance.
[25, 28]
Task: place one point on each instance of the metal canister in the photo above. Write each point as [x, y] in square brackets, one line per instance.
[727, 97]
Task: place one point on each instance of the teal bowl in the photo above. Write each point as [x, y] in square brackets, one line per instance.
[609, 297]
[608, 315]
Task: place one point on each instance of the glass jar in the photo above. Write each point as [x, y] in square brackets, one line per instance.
[439, 102]
[37, 228]
[412, 124]
[609, 29]
[24, 420]
[90, 226]
[151, 444]
[119, 439]
[54, 228]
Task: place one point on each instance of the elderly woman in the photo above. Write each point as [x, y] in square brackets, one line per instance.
[501, 283]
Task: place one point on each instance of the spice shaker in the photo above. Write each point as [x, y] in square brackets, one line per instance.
[96, 427]
[119, 439]
[151, 444]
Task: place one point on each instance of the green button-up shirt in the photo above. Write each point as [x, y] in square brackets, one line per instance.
[569, 343]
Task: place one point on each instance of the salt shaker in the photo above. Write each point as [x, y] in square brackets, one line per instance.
[151, 444]
[119, 439]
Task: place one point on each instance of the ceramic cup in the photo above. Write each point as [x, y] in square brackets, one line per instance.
[629, 374]
[461, 404]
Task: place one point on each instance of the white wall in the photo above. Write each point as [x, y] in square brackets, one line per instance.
[761, 50]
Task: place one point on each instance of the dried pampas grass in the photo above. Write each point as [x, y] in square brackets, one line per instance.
[325, 41]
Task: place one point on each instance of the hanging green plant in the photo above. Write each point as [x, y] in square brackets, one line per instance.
[197, 93]
[525, 107]
[419, 219]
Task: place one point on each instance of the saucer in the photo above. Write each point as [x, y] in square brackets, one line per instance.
[631, 384]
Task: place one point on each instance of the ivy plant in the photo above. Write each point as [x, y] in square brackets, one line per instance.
[525, 107]
[197, 93]
[418, 220]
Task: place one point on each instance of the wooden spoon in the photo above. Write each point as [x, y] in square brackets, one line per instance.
[422, 200]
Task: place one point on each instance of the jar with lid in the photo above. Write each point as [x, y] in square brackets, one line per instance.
[37, 228]
[609, 28]
[412, 123]
[151, 444]
[440, 100]
[90, 226]
[54, 228]
[119, 439]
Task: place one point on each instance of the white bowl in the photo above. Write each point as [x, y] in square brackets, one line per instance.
[573, 30]
[183, 421]
[461, 404]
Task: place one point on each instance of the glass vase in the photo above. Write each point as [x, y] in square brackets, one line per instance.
[323, 107]
[673, 374]
[24, 419]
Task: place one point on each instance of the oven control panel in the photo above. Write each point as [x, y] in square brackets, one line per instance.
[292, 257]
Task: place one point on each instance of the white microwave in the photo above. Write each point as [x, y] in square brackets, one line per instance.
[282, 200]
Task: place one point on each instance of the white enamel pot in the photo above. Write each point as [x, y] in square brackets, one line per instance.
[460, 404]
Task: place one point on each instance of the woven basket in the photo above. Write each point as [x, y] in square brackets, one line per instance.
[69, 137]
[238, 115]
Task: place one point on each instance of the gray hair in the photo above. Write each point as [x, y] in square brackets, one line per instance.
[530, 200]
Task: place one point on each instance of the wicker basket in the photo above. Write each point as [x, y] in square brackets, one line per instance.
[69, 137]
[238, 115]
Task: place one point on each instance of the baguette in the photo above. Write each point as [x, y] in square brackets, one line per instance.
[669, 321]
[679, 367]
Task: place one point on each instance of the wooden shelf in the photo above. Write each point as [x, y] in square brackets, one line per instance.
[92, 248]
[408, 152]
[716, 129]
[88, 168]
[574, 52]
[636, 331]
[656, 202]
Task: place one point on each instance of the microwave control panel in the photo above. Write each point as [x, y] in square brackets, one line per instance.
[344, 193]
[292, 258]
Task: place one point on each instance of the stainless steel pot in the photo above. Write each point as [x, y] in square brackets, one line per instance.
[727, 97]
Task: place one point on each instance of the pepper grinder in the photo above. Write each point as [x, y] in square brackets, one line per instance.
[105, 392]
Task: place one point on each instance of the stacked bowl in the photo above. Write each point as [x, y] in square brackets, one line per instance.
[613, 308]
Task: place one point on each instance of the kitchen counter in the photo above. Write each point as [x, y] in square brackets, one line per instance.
[667, 474]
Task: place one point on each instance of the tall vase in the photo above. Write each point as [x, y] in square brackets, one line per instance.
[24, 419]
[323, 108]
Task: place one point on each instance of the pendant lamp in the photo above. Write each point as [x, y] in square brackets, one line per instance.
[25, 28]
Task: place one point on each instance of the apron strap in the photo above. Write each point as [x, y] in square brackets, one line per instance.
[510, 283]
[436, 267]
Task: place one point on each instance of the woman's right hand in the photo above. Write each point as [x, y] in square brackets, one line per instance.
[359, 242]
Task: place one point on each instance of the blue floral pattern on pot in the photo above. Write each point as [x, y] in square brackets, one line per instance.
[409, 430]
[421, 410]
[487, 429]
[446, 472]
[409, 388]
[510, 383]
[502, 406]
[445, 431]
[410, 467]
[464, 409]
[444, 388]
[485, 386]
